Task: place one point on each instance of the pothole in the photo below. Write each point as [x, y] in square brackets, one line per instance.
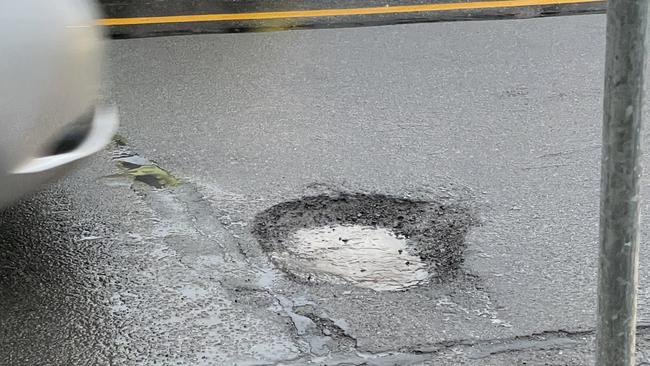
[373, 241]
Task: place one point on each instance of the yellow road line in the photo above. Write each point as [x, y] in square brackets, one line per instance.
[337, 12]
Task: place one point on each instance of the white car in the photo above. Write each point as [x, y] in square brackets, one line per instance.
[50, 58]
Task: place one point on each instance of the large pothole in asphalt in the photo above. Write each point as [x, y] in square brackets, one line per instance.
[374, 241]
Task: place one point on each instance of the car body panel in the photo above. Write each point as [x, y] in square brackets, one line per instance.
[50, 71]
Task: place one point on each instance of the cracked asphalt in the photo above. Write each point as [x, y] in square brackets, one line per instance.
[500, 116]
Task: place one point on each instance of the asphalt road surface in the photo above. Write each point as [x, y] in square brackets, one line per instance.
[501, 118]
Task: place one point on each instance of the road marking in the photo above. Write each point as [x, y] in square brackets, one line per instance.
[337, 12]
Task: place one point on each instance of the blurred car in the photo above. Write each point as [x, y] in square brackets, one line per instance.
[50, 54]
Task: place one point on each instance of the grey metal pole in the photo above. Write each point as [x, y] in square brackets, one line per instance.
[620, 174]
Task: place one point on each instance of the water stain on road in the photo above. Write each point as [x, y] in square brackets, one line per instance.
[365, 256]
[373, 241]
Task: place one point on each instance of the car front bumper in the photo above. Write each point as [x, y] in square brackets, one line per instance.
[30, 174]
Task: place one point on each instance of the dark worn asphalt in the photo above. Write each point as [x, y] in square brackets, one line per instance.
[499, 116]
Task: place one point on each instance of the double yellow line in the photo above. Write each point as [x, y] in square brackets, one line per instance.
[336, 12]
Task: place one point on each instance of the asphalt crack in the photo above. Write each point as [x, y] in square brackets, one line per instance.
[469, 351]
[328, 327]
